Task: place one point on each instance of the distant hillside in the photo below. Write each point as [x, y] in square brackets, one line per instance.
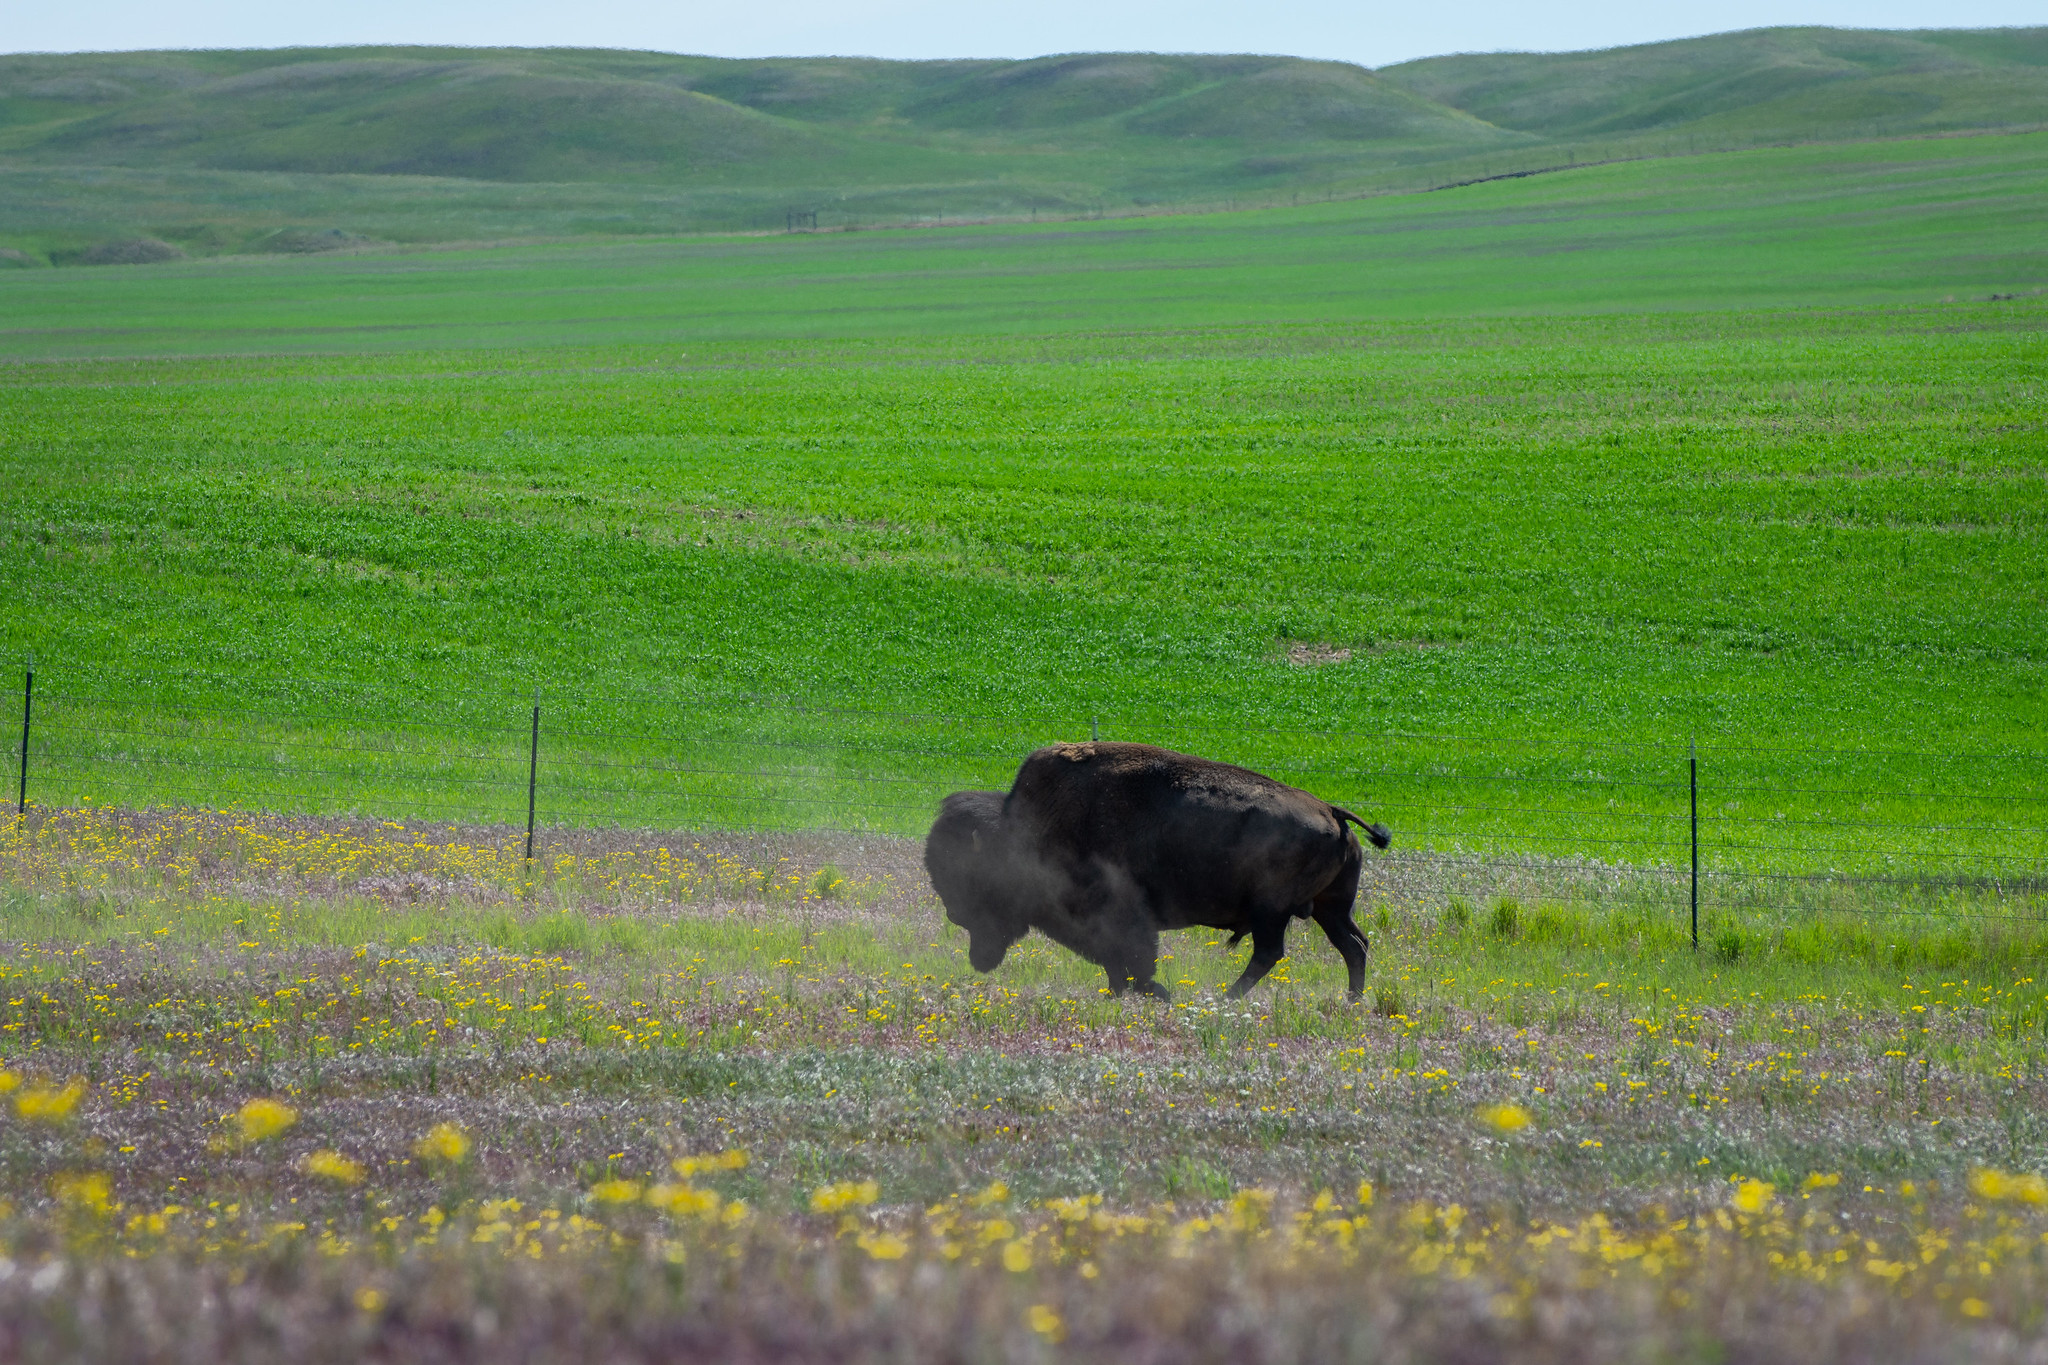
[481, 120]
[189, 146]
[1792, 83]
[574, 115]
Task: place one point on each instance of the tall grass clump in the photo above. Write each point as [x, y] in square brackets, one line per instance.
[1505, 921]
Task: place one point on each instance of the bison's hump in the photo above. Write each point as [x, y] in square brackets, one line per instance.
[1118, 782]
[1113, 760]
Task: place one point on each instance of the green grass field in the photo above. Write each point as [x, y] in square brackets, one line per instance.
[1477, 505]
[1790, 528]
[1914, 222]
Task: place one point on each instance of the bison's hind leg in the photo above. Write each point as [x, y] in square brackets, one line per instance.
[1348, 939]
[1332, 910]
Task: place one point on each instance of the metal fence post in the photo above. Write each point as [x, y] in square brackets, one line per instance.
[532, 773]
[1693, 763]
[28, 699]
[1094, 732]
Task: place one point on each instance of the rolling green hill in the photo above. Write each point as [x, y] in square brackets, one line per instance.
[583, 116]
[186, 146]
[1789, 83]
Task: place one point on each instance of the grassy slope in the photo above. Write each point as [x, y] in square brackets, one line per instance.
[1898, 222]
[1059, 132]
[1764, 82]
[723, 143]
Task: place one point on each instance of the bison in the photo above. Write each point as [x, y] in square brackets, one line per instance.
[1100, 846]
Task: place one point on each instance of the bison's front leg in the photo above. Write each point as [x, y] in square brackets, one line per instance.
[1123, 979]
[1269, 945]
[1130, 960]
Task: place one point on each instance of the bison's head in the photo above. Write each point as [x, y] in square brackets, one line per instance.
[970, 865]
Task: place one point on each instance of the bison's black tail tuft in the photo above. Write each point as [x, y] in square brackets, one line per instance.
[1379, 834]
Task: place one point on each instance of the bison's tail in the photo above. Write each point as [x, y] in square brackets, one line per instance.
[1377, 833]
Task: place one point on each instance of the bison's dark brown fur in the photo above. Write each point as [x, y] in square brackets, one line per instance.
[1101, 846]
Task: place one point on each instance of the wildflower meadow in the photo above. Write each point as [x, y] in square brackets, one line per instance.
[349, 1088]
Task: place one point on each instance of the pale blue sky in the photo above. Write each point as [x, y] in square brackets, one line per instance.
[1373, 34]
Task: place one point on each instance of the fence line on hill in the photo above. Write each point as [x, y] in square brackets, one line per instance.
[1728, 829]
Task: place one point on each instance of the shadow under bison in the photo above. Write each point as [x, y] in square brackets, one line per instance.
[1101, 846]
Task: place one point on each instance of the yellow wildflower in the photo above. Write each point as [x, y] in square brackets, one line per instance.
[616, 1192]
[88, 1190]
[1075, 1210]
[41, 1104]
[1753, 1196]
[732, 1159]
[1505, 1118]
[1987, 1182]
[683, 1198]
[1017, 1257]
[1365, 1194]
[832, 1198]
[883, 1246]
[260, 1119]
[332, 1165]
[1248, 1209]
[444, 1142]
[1817, 1181]
[9, 1081]
[1046, 1322]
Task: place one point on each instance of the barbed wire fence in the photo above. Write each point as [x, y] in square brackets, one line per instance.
[1696, 829]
